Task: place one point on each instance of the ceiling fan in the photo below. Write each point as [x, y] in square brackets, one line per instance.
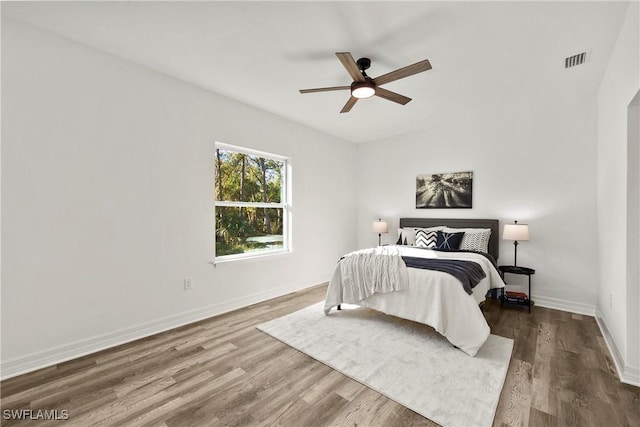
[364, 86]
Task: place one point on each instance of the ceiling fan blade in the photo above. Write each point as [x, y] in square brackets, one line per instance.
[401, 73]
[325, 89]
[349, 105]
[351, 66]
[392, 96]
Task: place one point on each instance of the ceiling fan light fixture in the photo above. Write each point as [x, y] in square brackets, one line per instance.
[363, 86]
[364, 89]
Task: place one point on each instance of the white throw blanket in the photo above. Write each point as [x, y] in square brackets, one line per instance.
[372, 271]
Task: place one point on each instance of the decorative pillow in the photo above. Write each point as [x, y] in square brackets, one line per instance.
[475, 239]
[407, 235]
[448, 240]
[426, 238]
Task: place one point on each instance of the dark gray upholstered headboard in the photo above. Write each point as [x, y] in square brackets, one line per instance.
[494, 240]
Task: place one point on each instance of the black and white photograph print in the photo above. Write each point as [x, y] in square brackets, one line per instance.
[444, 190]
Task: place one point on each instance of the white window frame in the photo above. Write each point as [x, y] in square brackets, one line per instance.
[285, 205]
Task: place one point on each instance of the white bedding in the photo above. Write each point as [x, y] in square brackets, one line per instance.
[434, 298]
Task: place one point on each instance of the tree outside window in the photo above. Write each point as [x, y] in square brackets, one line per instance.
[250, 202]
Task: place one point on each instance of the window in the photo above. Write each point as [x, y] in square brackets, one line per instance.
[251, 203]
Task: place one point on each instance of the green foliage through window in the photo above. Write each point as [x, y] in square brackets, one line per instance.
[250, 202]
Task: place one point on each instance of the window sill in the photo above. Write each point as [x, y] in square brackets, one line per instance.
[221, 262]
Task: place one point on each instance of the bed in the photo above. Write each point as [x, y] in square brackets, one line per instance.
[435, 298]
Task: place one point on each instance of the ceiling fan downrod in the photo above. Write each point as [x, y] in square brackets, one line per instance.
[363, 64]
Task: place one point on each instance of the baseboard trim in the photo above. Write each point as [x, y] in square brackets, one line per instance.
[564, 305]
[34, 361]
[631, 375]
[627, 374]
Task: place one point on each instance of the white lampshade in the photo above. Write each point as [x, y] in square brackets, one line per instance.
[517, 232]
[380, 227]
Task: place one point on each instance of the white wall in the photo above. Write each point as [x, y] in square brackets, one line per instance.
[618, 87]
[633, 233]
[532, 151]
[107, 186]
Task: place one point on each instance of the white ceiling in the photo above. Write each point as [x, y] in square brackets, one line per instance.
[261, 53]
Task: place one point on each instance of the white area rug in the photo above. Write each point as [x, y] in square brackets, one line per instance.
[405, 361]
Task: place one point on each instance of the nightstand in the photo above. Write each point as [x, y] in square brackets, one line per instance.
[517, 297]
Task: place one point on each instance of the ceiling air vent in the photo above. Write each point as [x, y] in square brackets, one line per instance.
[578, 59]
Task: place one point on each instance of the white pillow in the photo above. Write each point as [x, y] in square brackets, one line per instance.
[408, 234]
[474, 239]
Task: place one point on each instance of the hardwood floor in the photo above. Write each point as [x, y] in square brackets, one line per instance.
[223, 371]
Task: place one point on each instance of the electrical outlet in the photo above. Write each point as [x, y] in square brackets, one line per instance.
[187, 285]
[610, 300]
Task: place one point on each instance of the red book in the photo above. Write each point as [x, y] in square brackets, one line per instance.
[516, 295]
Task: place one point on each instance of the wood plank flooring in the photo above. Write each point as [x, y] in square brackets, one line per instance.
[222, 371]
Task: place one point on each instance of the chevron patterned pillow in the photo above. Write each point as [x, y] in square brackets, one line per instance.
[426, 238]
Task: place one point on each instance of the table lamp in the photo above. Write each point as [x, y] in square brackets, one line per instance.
[381, 228]
[517, 233]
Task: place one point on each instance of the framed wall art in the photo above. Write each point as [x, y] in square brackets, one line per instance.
[444, 190]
